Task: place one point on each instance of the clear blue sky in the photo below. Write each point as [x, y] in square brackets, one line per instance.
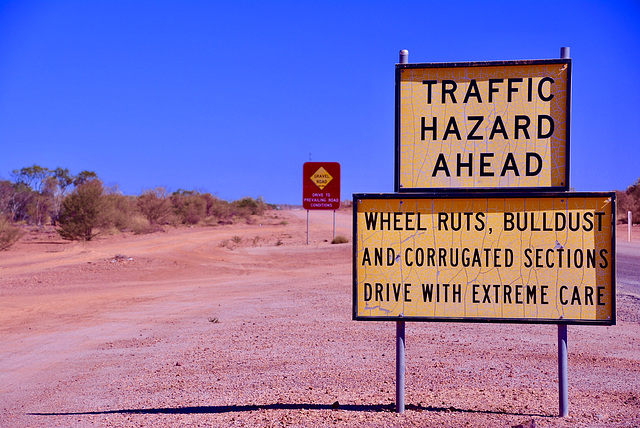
[232, 97]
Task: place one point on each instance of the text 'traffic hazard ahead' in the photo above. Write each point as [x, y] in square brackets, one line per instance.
[476, 126]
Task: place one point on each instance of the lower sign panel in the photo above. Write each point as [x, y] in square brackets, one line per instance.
[543, 258]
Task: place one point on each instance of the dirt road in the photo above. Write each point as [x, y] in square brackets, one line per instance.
[247, 325]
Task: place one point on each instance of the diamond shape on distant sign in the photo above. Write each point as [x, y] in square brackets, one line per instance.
[321, 178]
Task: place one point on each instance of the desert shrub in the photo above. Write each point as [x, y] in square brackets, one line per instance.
[189, 206]
[250, 206]
[82, 212]
[220, 210]
[9, 234]
[139, 225]
[227, 243]
[119, 210]
[340, 240]
[156, 206]
[246, 207]
[209, 201]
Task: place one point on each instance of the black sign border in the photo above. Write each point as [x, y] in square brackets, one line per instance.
[400, 67]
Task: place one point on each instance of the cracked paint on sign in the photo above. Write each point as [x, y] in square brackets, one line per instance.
[537, 259]
[477, 127]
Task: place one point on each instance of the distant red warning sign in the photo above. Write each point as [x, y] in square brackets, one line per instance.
[321, 186]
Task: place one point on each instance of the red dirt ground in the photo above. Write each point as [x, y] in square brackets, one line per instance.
[246, 325]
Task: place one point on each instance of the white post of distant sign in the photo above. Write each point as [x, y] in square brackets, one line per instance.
[629, 226]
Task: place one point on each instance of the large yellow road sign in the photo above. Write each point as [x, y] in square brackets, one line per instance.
[543, 257]
[487, 125]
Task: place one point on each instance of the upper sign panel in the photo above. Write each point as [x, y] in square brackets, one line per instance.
[483, 126]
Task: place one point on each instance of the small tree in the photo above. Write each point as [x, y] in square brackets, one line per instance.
[155, 205]
[83, 177]
[83, 211]
[35, 178]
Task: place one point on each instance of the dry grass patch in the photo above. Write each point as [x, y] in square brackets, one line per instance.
[9, 234]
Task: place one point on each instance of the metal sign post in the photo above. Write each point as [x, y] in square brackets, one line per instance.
[400, 342]
[563, 376]
[334, 225]
[400, 366]
[307, 227]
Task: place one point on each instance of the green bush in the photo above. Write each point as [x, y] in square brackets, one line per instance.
[37, 195]
[139, 225]
[83, 211]
[249, 206]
